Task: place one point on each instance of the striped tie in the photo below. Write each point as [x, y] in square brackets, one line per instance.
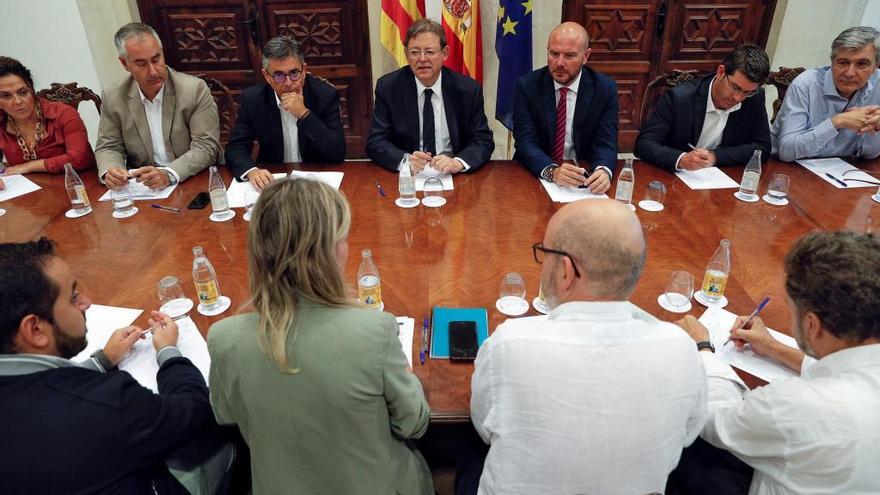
[559, 142]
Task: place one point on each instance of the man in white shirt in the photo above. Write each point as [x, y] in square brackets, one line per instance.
[157, 125]
[818, 433]
[599, 397]
[716, 120]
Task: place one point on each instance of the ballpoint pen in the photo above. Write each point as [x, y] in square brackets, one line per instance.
[835, 179]
[424, 348]
[752, 316]
[166, 208]
[381, 191]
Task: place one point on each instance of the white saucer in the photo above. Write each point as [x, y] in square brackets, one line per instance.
[71, 213]
[876, 197]
[540, 306]
[701, 298]
[126, 214]
[2, 212]
[247, 215]
[661, 300]
[650, 205]
[778, 202]
[401, 203]
[177, 307]
[222, 305]
[631, 206]
[223, 217]
[513, 308]
[434, 201]
[753, 198]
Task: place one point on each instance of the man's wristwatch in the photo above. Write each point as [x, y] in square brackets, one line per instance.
[705, 345]
[547, 173]
[171, 178]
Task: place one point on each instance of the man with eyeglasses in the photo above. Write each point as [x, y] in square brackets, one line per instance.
[834, 110]
[294, 116]
[599, 396]
[428, 111]
[716, 120]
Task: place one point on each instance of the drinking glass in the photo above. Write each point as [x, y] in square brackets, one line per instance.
[172, 301]
[433, 193]
[777, 190]
[512, 295]
[250, 199]
[679, 291]
[655, 195]
[123, 205]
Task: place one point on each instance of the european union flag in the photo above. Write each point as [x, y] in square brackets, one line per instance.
[513, 45]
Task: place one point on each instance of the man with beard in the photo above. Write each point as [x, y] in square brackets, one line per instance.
[599, 397]
[75, 429]
[817, 433]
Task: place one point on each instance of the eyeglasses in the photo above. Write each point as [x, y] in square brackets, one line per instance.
[294, 75]
[738, 90]
[418, 53]
[538, 250]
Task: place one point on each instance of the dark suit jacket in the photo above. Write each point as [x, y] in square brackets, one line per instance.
[320, 134]
[394, 127]
[76, 430]
[594, 127]
[678, 120]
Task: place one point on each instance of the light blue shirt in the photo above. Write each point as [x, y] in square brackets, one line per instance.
[803, 127]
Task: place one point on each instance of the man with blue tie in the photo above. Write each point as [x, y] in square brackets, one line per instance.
[566, 111]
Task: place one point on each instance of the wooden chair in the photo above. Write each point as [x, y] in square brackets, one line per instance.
[782, 80]
[660, 85]
[71, 94]
[226, 108]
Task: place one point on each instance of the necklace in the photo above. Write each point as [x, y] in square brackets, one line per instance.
[30, 152]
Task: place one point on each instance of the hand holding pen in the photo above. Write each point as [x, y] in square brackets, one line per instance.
[748, 328]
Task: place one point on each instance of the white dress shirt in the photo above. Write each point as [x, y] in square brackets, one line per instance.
[290, 133]
[442, 141]
[599, 397]
[569, 152]
[153, 110]
[814, 434]
[713, 124]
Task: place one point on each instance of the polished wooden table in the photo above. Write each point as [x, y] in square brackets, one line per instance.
[452, 256]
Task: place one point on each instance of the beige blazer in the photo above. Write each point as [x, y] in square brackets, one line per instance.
[190, 126]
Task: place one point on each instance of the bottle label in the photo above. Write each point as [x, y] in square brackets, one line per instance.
[81, 194]
[370, 291]
[207, 292]
[714, 283]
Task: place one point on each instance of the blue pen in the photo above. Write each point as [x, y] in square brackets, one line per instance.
[835, 179]
[381, 191]
[753, 315]
[424, 348]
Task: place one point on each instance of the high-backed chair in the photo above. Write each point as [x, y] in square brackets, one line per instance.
[71, 94]
[660, 85]
[226, 108]
[782, 80]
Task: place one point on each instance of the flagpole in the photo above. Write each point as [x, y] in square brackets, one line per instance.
[509, 140]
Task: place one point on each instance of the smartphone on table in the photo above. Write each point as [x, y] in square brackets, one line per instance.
[463, 340]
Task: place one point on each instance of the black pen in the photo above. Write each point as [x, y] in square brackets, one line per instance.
[166, 208]
[381, 191]
[842, 183]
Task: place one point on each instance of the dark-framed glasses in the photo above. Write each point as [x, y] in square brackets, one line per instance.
[294, 75]
[539, 252]
[738, 90]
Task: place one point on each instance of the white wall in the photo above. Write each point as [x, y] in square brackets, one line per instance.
[48, 37]
[872, 14]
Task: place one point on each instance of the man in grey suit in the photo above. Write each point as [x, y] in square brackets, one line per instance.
[158, 126]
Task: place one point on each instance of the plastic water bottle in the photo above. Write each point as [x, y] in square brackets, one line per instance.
[625, 182]
[717, 271]
[217, 190]
[76, 191]
[751, 176]
[205, 279]
[406, 183]
[369, 284]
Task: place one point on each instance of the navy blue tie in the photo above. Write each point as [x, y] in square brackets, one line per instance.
[428, 142]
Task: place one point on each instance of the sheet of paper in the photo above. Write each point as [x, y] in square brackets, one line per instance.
[405, 330]
[333, 179]
[837, 167]
[237, 190]
[140, 362]
[719, 322]
[706, 178]
[565, 194]
[17, 185]
[429, 172]
[140, 192]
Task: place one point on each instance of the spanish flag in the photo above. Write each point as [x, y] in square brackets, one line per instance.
[397, 16]
[461, 21]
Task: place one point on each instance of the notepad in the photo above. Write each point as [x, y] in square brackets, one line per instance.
[16, 185]
[706, 178]
[405, 329]
[837, 167]
[440, 327]
[566, 194]
[141, 192]
[237, 191]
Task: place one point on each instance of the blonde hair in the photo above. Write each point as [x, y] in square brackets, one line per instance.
[292, 240]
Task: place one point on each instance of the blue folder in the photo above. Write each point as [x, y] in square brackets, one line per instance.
[440, 327]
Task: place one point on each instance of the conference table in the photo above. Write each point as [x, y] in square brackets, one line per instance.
[454, 256]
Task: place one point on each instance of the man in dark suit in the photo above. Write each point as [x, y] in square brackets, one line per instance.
[294, 116]
[428, 111]
[689, 130]
[567, 112]
[84, 428]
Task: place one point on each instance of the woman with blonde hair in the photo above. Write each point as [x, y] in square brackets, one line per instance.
[317, 384]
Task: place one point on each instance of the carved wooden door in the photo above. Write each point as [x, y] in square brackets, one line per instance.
[635, 41]
[222, 39]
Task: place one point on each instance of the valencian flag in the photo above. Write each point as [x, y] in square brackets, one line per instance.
[397, 16]
[513, 45]
[461, 21]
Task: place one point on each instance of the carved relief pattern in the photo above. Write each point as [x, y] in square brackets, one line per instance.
[617, 30]
[319, 31]
[344, 104]
[628, 91]
[205, 38]
[709, 29]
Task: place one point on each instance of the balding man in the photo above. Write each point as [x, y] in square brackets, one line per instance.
[565, 116]
[599, 397]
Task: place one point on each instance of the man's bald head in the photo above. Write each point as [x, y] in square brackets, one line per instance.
[606, 241]
[570, 31]
[567, 52]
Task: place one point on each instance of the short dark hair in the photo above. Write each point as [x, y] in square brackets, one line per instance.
[25, 289]
[836, 275]
[12, 67]
[425, 25]
[749, 59]
[281, 47]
